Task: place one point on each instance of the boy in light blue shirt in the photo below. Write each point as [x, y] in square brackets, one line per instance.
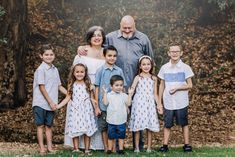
[102, 79]
[46, 85]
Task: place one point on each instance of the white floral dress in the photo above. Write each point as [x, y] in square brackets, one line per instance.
[80, 118]
[92, 64]
[143, 110]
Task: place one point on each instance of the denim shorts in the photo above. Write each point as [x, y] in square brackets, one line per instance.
[102, 124]
[42, 116]
[180, 116]
[116, 131]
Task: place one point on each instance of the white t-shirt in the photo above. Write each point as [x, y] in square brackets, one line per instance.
[117, 109]
[175, 75]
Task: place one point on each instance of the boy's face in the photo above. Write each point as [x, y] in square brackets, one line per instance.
[97, 38]
[48, 56]
[79, 73]
[111, 57]
[175, 53]
[117, 86]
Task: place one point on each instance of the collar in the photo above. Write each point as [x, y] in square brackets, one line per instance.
[111, 68]
[135, 35]
[114, 93]
[47, 66]
[178, 65]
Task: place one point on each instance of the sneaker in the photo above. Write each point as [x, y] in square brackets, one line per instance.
[136, 151]
[148, 150]
[187, 148]
[121, 152]
[163, 149]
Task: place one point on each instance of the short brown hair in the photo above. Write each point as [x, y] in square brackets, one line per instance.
[46, 47]
[91, 32]
[175, 44]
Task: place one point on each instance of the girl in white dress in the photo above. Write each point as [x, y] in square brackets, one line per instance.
[93, 59]
[143, 110]
[80, 117]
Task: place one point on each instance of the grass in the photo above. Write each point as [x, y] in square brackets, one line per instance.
[174, 152]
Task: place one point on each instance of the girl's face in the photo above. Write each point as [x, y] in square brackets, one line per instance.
[97, 39]
[117, 86]
[79, 73]
[145, 65]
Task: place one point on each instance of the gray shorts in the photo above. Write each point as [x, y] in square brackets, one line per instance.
[102, 124]
[42, 116]
[180, 116]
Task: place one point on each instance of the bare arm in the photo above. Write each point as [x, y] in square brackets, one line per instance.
[134, 84]
[188, 86]
[62, 90]
[64, 102]
[155, 89]
[47, 97]
[105, 99]
[97, 109]
[161, 89]
[130, 94]
[82, 51]
[95, 104]
[97, 94]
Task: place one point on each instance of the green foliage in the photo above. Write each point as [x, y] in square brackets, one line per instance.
[2, 12]
[223, 4]
[3, 40]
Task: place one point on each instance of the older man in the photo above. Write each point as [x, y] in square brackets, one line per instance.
[131, 45]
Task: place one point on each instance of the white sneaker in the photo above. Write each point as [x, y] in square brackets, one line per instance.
[76, 151]
[149, 150]
[136, 151]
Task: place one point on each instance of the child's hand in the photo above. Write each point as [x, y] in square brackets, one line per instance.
[172, 91]
[53, 106]
[105, 90]
[160, 109]
[97, 111]
[131, 91]
[58, 107]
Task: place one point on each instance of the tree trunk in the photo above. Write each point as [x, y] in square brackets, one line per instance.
[13, 54]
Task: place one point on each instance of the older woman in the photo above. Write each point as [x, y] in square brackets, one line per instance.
[94, 59]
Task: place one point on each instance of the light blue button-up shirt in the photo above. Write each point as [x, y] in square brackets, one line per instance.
[48, 76]
[102, 79]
